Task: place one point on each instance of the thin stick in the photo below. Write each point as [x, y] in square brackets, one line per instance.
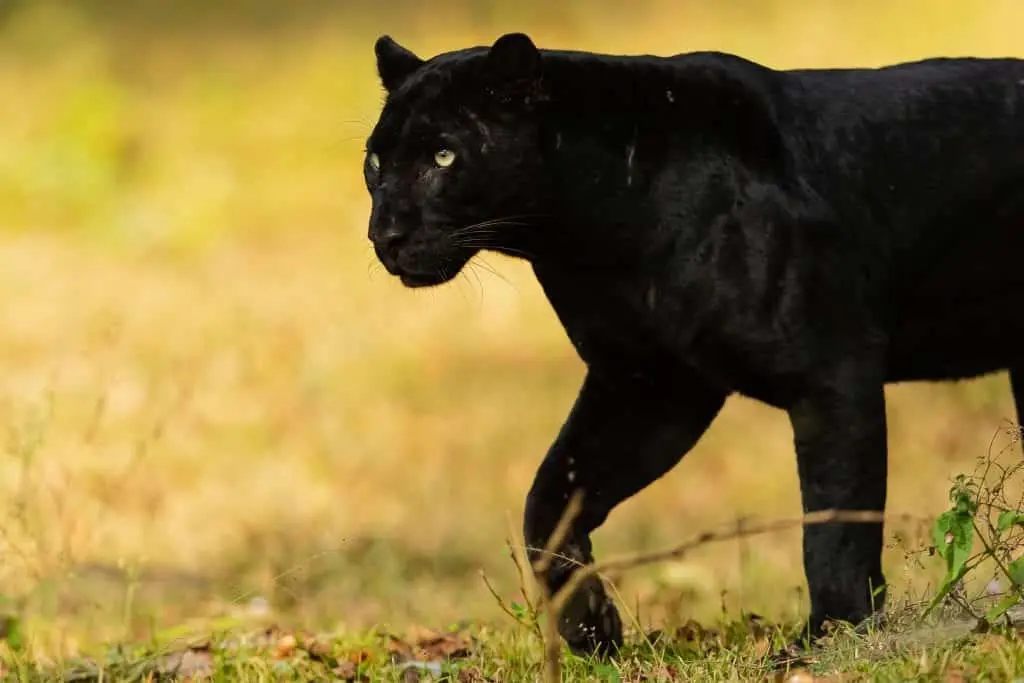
[554, 604]
[561, 532]
[677, 552]
[524, 587]
[552, 641]
[501, 603]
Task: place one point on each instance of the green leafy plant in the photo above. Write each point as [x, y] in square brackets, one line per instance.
[953, 536]
[982, 527]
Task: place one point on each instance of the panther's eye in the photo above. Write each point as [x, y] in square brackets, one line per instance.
[374, 161]
[444, 158]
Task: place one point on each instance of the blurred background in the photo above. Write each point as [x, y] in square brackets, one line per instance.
[216, 404]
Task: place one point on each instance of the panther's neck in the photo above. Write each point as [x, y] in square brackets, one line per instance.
[613, 128]
[644, 86]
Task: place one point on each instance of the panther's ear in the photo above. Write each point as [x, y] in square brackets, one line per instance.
[394, 62]
[513, 63]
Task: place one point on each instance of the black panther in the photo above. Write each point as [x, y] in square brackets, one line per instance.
[703, 225]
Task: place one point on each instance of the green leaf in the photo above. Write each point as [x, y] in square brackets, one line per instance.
[1001, 607]
[1015, 572]
[1009, 518]
[518, 610]
[953, 535]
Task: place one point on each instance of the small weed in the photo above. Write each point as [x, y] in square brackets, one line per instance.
[980, 537]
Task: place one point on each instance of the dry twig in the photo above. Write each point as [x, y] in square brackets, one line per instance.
[554, 604]
[552, 642]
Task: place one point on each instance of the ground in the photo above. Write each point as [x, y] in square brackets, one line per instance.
[222, 415]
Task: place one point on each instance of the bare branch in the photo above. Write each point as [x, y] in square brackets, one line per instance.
[552, 642]
[561, 532]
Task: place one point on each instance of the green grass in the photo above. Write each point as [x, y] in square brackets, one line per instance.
[733, 650]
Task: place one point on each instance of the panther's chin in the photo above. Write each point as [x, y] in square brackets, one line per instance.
[432, 272]
[418, 280]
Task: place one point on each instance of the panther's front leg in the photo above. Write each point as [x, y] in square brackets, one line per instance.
[839, 427]
[622, 434]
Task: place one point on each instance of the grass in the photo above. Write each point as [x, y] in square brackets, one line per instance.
[219, 413]
[500, 656]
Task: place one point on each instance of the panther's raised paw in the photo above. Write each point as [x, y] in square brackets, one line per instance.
[593, 632]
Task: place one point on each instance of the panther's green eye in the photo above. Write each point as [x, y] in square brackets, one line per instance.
[444, 158]
[374, 161]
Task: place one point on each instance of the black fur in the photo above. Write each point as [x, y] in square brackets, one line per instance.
[703, 225]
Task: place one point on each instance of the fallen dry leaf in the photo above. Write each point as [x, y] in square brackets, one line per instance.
[805, 676]
[399, 650]
[434, 645]
[790, 658]
[471, 674]
[285, 647]
[360, 656]
[346, 671]
[664, 673]
[691, 636]
[797, 676]
[268, 636]
[417, 633]
[319, 650]
[955, 676]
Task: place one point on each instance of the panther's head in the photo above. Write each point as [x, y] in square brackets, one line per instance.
[454, 163]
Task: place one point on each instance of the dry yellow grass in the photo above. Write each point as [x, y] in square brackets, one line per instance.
[207, 381]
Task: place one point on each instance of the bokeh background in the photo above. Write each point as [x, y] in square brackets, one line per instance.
[215, 403]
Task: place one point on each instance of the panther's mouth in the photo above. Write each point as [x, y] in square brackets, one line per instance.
[416, 269]
[414, 280]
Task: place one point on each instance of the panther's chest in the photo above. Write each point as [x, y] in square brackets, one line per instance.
[630, 323]
[644, 326]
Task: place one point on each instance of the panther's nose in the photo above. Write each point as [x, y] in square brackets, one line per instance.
[388, 238]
